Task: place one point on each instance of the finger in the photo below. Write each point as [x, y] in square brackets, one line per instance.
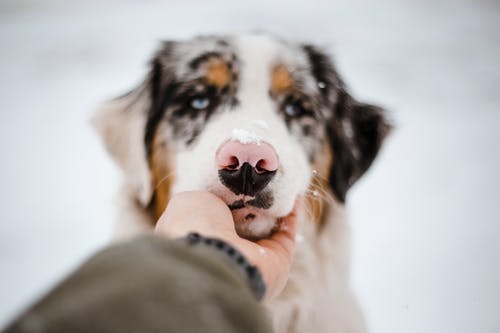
[196, 204]
[195, 211]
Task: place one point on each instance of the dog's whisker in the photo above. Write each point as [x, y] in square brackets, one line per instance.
[316, 198]
[316, 176]
[309, 211]
[319, 195]
[163, 179]
[318, 183]
[316, 191]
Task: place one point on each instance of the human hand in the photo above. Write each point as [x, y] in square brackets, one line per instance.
[207, 214]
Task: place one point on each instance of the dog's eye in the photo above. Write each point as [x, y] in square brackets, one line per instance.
[293, 109]
[200, 102]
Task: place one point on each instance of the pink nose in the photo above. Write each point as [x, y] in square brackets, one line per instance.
[233, 154]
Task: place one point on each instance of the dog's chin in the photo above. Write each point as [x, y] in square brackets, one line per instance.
[253, 223]
[252, 216]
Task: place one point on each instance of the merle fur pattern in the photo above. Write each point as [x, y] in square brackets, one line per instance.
[353, 130]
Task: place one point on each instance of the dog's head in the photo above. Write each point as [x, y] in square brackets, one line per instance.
[252, 119]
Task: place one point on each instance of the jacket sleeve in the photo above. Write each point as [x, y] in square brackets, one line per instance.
[149, 285]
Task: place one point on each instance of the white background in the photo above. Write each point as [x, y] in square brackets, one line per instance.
[426, 219]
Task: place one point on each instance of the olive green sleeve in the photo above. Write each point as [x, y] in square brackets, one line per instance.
[149, 285]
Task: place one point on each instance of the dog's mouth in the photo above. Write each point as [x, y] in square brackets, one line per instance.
[247, 209]
[251, 217]
[262, 200]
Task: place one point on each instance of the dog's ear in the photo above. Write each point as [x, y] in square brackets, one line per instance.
[122, 123]
[356, 133]
[355, 130]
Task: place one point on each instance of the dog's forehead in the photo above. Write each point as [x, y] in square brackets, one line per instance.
[267, 51]
[273, 64]
[261, 47]
[255, 58]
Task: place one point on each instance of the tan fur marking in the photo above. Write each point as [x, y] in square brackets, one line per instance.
[323, 161]
[218, 73]
[319, 193]
[281, 80]
[161, 173]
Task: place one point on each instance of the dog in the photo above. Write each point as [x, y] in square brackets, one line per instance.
[258, 121]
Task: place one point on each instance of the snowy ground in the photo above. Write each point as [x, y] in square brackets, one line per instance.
[426, 219]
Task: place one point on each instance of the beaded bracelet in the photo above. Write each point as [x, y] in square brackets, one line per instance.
[252, 273]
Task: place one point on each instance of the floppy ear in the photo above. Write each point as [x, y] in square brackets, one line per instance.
[127, 124]
[121, 124]
[356, 133]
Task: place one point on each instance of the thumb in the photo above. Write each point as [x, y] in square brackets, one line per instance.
[198, 211]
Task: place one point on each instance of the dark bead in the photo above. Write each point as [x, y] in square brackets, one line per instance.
[220, 244]
[193, 237]
[251, 270]
[240, 260]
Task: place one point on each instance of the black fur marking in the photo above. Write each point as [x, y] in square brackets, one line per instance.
[323, 71]
[158, 103]
[263, 200]
[371, 128]
[352, 157]
[194, 135]
[196, 62]
[237, 205]
[307, 130]
[343, 167]
[354, 154]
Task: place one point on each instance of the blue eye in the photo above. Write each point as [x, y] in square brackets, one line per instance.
[200, 103]
[293, 110]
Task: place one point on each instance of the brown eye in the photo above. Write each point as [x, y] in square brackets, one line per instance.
[200, 102]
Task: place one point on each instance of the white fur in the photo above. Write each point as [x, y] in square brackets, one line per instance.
[317, 297]
[121, 125]
[260, 123]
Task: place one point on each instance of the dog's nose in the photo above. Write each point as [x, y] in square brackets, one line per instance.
[233, 154]
[246, 168]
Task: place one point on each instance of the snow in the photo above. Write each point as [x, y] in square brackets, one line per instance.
[245, 136]
[425, 218]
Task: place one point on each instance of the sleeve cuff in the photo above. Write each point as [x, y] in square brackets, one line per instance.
[249, 271]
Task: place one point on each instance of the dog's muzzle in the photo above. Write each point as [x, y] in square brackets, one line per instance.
[246, 169]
